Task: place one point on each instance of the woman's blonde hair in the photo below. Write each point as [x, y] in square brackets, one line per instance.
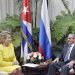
[3, 36]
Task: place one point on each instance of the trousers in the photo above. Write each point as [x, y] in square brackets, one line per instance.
[54, 67]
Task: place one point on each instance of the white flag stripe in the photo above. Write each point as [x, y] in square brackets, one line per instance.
[25, 52]
[46, 19]
[22, 51]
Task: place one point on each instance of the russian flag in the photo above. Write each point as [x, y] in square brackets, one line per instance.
[26, 29]
[45, 47]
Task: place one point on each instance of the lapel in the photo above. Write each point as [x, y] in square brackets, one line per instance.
[65, 49]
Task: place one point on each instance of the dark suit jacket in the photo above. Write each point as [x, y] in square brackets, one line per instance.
[65, 48]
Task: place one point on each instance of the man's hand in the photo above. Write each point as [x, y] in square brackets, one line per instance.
[70, 64]
[15, 63]
[56, 60]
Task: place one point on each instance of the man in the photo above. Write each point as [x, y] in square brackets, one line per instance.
[67, 56]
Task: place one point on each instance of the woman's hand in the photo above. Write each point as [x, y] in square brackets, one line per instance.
[15, 63]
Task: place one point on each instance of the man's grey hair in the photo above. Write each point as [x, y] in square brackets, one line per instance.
[71, 36]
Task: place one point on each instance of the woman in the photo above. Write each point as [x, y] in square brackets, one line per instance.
[8, 62]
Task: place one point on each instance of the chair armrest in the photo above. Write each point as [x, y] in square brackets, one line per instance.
[3, 73]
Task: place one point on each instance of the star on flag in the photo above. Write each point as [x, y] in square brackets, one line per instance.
[25, 9]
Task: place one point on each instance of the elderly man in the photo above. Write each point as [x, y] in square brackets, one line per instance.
[67, 56]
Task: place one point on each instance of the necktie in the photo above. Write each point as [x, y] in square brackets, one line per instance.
[67, 54]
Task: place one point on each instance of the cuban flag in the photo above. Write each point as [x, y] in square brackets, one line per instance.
[26, 29]
[45, 47]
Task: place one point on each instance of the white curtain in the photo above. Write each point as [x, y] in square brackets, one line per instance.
[54, 7]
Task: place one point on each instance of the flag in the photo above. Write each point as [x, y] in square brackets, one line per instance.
[45, 47]
[26, 29]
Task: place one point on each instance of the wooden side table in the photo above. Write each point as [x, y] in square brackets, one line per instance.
[39, 70]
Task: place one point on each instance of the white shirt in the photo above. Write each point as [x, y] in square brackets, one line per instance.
[70, 50]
